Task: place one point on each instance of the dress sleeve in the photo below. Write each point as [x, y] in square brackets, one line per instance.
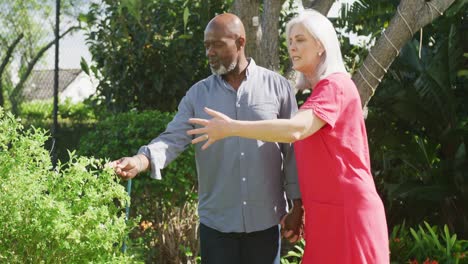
[325, 101]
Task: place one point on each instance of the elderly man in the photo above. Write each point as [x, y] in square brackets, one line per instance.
[242, 182]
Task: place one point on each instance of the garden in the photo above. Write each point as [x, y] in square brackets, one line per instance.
[145, 56]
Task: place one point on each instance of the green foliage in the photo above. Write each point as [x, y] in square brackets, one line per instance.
[75, 120]
[427, 243]
[40, 112]
[362, 18]
[148, 53]
[418, 130]
[367, 17]
[22, 22]
[71, 214]
[294, 256]
[285, 15]
[123, 134]
[155, 200]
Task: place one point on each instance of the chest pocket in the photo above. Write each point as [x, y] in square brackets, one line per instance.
[264, 110]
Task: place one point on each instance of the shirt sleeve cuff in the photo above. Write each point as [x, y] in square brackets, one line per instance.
[155, 167]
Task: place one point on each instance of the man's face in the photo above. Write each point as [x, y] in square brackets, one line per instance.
[221, 50]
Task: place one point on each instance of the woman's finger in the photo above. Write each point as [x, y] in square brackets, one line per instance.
[199, 139]
[198, 121]
[196, 131]
[213, 113]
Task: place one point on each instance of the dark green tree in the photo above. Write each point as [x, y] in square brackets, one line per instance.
[418, 128]
[148, 53]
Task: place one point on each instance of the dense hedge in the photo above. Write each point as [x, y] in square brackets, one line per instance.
[74, 119]
[71, 214]
[156, 201]
[146, 54]
[122, 135]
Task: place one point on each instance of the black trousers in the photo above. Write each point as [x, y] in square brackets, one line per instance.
[261, 247]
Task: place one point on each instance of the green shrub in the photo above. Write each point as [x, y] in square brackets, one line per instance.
[39, 113]
[74, 119]
[123, 134]
[425, 244]
[146, 54]
[70, 214]
[158, 202]
[294, 256]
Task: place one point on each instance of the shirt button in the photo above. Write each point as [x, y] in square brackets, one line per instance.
[242, 153]
[245, 202]
[243, 179]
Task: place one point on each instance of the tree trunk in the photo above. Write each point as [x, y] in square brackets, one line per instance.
[323, 6]
[247, 11]
[15, 96]
[5, 61]
[261, 29]
[262, 41]
[417, 14]
[269, 43]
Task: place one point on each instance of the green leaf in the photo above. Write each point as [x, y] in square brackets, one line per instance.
[435, 238]
[84, 66]
[186, 17]
[83, 18]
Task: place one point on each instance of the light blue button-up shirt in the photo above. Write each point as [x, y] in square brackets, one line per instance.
[241, 182]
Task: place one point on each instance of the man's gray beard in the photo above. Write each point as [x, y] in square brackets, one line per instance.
[223, 70]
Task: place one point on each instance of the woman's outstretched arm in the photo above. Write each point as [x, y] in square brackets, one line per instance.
[300, 126]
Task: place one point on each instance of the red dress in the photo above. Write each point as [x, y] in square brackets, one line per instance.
[344, 216]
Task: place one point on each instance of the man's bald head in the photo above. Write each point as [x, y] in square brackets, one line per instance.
[224, 44]
[229, 24]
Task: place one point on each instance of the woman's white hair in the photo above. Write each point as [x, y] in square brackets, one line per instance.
[322, 30]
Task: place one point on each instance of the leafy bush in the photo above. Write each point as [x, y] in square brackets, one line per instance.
[418, 129]
[148, 53]
[72, 214]
[40, 112]
[74, 119]
[160, 203]
[172, 238]
[425, 244]
[294, 256]
[122, 135]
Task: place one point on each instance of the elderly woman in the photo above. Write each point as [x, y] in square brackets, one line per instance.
[344, 215]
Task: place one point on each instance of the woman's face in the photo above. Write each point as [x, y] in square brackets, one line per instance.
[304, 50]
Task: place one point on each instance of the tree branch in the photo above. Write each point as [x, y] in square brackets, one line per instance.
[411, 16]
[5, 61]
[15, 96]
[269, 42]
[323, 6]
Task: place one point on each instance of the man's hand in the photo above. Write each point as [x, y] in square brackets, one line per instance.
[128, 167]
[292, 223]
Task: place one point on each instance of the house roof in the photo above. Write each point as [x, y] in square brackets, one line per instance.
[40, 84]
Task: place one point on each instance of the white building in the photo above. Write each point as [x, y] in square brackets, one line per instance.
[74, 84]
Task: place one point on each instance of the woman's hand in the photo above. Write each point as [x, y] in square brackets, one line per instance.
[212, 130]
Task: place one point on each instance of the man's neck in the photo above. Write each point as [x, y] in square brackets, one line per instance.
[236, 76]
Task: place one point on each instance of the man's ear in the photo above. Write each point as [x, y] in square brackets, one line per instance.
[240, 42]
